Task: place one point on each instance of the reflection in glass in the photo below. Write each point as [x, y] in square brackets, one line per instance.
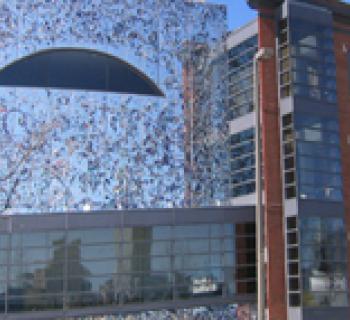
[323, 262]
[114, 266]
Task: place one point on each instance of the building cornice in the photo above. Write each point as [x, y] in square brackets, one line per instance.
[340, 9]
[257, 4]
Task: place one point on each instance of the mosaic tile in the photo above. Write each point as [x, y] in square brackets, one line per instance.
[62, 149]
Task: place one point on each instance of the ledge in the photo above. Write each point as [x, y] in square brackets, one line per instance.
[256, 4]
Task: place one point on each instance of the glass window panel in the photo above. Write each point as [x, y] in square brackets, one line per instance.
[216, 260]
[313, 149]
[228, 245]
[196, 261]
[245, 257]
[137, 248]
[3, 256]
[2, 288]
[245, 229]
[241, 163]
[36, 255]
[311, 135]
[229, 259]
[179, 246]
[48, 270]
[293, 268]
[36, 239]
[135, 264]
[216, 230]
[289, 163]
[319, 179]
[192, 231]
[312, 253]
[138, 234]
[294, 284]
[38, 284]
[339, 299]
[161, 248]
[317, 299]
[287, 120]
[215, 244]
[229, 230]
[160, 263]
[149, 280]
[91, 284]
[155, 294]
[289, 177]
[290, 192]
[336, 253]
[91, 267]
[4, 241]
[243, 189]
[321, 164]
[293, 254]
[88, 299]
[95, 235]
[3, 272]
[90, 71]
[178, 262]
[291, 223]
[244, 287]
[198, 246]
[189, 276]
[317, 123]
[334, 226]
[308, 237]
[246, 272]
[34, 303]
[99, 251]
[313, 192]
[313, 299]
[292, 238]
[162, 233]
[288, 134]
[294, 299]
[313, 223]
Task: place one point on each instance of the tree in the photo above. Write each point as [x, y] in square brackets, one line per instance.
[29, 146]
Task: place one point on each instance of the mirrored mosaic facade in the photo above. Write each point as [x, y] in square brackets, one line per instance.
[206, 129]
[68, 150]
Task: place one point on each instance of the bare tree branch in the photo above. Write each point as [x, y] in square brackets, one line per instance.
[36, 141]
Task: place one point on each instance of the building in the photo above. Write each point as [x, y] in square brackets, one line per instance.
[304, 96]
[140, 114]
[64, 157]
[92, 162]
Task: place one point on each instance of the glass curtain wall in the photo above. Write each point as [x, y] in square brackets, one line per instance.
[118, 266]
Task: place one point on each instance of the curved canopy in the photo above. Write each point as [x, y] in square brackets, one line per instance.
[79, 69]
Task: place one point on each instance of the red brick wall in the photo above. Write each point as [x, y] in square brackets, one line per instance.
[274, 226]
[342, 50]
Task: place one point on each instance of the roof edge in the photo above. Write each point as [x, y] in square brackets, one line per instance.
[257, 4]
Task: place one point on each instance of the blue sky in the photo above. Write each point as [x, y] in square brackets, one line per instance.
[238, 12]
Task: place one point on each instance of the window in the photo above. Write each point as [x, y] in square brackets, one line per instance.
[288, 141]
[313, 73]
[323, 261]
[99, 266]
[79, 69]
[292, 234]
[240, 77]
[318, 157]
[243, 162]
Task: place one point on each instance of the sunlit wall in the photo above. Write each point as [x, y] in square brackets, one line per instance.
[70, 150]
